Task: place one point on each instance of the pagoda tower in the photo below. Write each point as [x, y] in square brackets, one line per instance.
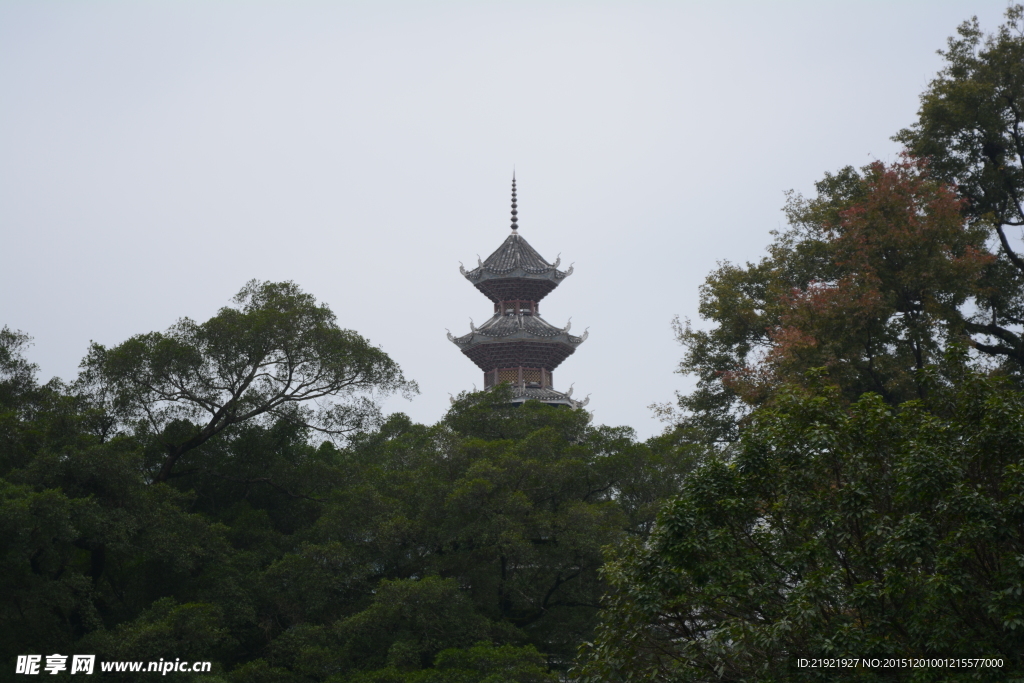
[516, 345]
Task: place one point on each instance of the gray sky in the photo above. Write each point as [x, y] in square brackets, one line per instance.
[154, 156]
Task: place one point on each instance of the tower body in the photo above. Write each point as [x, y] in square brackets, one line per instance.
[516, 345]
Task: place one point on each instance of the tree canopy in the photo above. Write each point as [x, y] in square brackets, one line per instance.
[873, 279]
[860, 394]
[180, 500]
[268, 358]
[830, 531]
[971, 129]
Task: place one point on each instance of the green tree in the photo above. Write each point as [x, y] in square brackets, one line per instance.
[482, 663]
[17, 375]
[971, 129]
[863, 498]
[98, 549]
[826, 531]
[513, 503]
[270, 357]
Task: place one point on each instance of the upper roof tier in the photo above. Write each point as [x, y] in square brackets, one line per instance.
[515, 270]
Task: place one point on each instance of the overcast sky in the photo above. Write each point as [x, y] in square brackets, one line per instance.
[155, 156]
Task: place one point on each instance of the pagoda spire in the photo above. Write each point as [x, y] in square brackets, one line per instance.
[515, 213]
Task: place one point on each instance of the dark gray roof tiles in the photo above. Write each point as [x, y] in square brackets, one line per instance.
[516, 258]
[546, 395]
[515, 252]
[518, 326]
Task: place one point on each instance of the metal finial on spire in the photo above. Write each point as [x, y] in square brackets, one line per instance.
[515, 213]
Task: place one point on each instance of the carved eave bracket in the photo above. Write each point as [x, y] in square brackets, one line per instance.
[582, 338]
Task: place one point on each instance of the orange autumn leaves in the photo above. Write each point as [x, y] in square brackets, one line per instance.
[899, 265]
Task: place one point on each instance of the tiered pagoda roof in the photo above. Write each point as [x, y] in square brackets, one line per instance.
[516, 271]
[516, 345]
[509, 336]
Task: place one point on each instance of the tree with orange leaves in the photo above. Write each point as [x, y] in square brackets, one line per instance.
[874, 279]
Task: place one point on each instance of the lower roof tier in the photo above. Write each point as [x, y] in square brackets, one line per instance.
[517, 326]
[546, 395]
[510, 354]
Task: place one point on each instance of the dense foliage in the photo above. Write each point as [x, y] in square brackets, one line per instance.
[835, 531]
[971, 129]
[860, 390]
[871, 281]
[180, 502]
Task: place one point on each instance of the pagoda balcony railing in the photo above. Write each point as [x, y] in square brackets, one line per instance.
[516, 307]
[519, 376]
